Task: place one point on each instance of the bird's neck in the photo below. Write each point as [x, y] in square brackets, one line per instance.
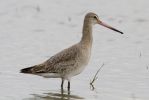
[87, 38]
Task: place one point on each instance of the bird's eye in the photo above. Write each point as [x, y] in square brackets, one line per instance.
[95, 17]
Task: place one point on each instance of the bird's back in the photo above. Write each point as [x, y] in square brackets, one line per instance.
[62, 63]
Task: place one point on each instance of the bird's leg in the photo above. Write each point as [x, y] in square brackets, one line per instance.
[62, 84]
[68, 86]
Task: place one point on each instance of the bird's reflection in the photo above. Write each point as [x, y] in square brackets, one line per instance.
[59, 95]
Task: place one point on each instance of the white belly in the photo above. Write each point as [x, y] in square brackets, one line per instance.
[50, 75]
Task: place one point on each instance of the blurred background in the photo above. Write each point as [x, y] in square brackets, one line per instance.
[31, 31]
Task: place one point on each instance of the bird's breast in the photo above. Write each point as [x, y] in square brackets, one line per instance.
[86, 53]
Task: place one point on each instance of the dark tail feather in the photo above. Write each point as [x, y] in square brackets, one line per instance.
[26, 70]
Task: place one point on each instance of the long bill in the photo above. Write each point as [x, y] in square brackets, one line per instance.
[105, 25]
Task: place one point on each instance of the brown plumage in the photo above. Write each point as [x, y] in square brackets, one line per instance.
[70, 61]
[56, 64]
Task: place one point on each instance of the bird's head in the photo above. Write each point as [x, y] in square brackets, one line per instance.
[94, 19]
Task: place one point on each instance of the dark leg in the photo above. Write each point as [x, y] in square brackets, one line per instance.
[68, 85]
[62, 83]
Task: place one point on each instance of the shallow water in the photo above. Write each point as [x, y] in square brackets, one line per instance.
[32, 31]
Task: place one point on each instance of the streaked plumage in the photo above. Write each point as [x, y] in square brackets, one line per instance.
[70, 61]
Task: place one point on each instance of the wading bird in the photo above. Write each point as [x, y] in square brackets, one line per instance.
[70, 61]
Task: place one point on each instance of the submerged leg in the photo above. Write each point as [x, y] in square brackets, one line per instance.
[62, 83]
[68, 86]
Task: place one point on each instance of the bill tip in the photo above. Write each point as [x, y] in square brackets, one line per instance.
[121, 32]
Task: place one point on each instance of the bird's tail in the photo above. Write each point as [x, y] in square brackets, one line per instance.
[34, 69]
[26, 70]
